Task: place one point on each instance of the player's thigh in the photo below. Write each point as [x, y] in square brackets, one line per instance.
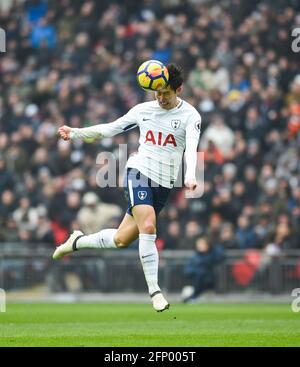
[145, 218]
[127, 232]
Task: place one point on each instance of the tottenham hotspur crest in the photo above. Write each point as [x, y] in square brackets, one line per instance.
[142, 195]
[175, 124]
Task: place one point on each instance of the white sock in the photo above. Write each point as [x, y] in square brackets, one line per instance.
[102, 239]
[149, 259]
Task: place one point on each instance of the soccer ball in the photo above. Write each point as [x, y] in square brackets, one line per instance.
[152, 75]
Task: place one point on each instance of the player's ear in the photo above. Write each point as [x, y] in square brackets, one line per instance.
[179, 90]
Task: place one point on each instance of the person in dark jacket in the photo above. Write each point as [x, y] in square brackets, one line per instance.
[200, 269]
[245, 234]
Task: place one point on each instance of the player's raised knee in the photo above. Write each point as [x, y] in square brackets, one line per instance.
[120, 241]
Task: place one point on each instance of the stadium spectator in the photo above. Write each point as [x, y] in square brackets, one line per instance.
[25, 216]
[219, 134]
[192, 230]
[43, 233]
[172, 236]
[6, 176]
[95, 215]
[227, 237]
[43, 35]
[245, 234]
[200, 269]
[7, 205]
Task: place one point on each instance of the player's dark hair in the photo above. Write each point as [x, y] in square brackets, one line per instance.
[175, 76]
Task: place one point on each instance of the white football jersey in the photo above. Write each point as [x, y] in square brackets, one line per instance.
[164, 136]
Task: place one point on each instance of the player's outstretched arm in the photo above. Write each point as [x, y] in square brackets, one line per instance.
[99, 131]
[91, 133]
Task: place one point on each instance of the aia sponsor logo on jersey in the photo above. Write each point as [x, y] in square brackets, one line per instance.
[160, 139]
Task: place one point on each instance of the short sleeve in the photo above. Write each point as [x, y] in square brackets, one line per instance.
[193, 127]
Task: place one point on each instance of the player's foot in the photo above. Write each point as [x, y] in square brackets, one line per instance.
[159, 302]
[190, 300]
[67, 247]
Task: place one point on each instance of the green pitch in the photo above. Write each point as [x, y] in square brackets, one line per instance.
[114, 325]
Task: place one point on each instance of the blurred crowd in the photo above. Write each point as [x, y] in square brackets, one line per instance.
[74, 62]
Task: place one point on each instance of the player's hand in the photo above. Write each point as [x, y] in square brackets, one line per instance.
[190, 184]
[64, 132]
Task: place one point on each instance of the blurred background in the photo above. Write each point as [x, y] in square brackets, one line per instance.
[74, 62]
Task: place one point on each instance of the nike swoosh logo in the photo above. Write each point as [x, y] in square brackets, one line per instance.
[146, 119]
[143, 257]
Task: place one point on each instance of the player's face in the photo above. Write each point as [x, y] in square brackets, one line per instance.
[167, 98]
